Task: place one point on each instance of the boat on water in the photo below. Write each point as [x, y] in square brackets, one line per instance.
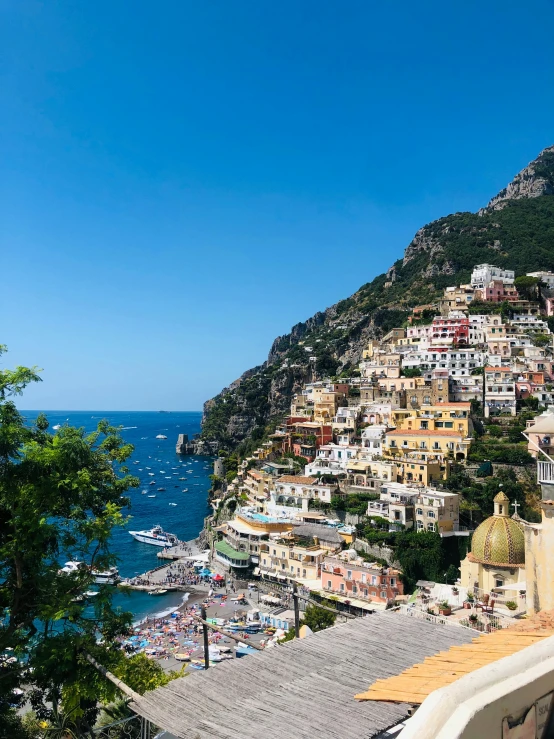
[152, 483]
[173, 504]
[161, 436]
[160, 490]
[151, 496]
[107, 577]
[159, 591]
[156, 536]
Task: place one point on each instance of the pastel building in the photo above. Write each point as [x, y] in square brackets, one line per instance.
[349, 577]
[483, 274]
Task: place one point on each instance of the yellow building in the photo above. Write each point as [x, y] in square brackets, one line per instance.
[497, 556]
[291, 558]
[421, 469]
[326, 403]
[453, 417]
[427, 443]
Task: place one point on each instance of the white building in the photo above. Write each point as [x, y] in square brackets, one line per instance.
[372, 439]
[546, 277]
[458, 362]
[295, 491]
[466, 389]
[483, 274]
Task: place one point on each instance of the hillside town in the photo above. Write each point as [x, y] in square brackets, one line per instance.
[457, 399]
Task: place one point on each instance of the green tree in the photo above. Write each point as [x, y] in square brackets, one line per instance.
[411, 372]
[527, 287]
[317, 618]
[61, 495]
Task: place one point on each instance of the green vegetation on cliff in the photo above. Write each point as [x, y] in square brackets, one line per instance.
[516, 231]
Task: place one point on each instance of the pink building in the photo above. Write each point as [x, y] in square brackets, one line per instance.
[497, 292]
[350, 576]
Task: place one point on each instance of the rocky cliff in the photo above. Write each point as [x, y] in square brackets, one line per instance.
[515, 230]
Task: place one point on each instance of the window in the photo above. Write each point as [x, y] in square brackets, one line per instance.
[373, 580]
[430, 514]
[364, 577]
[430, 527]
[419, 525]
[365, 592]
[354, 588]
[342, 587]
[303, 573]
[419, 512]
[349, 574]
[498, 583]
[393, 581]
[384, 594]
[329, 584]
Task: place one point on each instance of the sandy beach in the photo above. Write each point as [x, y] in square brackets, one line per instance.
[162, 637]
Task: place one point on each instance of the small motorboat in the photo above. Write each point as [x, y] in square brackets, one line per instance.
[161, 490]
[152, 483]
[57, 426]
[151, 496]
[173, 504]
[159, 591]
[151, 474]
[161, 436]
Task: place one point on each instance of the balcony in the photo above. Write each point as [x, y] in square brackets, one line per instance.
[545, 472]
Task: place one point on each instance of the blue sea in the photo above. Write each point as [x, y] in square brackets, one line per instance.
[185, 520]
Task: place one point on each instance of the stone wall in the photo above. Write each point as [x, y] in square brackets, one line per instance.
[383, 552]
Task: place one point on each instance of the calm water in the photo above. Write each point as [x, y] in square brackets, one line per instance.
[185, 519]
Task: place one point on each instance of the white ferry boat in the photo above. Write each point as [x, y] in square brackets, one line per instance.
[156, 536]
[108, 577]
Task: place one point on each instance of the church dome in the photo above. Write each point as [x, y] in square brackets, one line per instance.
[499, 540]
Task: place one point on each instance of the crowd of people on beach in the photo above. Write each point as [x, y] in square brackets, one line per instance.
[179, 573]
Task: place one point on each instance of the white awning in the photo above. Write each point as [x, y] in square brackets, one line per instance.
[516, 586]
[544, 424]
[256, 571]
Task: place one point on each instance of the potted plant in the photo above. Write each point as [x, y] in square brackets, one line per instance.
[473, 618]
[468, 603]
[444, 608]
[511, 605]
[455, 590]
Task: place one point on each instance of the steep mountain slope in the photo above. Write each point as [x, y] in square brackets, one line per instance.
[515, 230]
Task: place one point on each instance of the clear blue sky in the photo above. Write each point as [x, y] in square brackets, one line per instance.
[183, 181]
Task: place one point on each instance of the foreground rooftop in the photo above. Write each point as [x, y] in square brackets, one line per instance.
[303, 688]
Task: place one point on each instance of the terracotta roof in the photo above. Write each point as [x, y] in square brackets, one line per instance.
[423, 432]
[298, 479]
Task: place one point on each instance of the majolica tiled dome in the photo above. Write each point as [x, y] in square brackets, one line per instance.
[499, 539]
